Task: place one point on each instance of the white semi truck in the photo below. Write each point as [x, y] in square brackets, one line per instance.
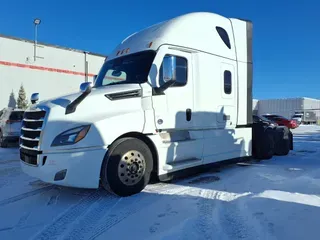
[174, 97]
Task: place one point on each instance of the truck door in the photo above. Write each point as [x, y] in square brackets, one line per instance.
[173, 109]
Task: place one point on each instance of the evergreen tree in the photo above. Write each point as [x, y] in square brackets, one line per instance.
[12, 100]
[22, 101]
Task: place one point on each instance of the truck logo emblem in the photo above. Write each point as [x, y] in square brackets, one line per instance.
[160, 121]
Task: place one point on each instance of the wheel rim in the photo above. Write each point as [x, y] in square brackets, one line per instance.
[131, 167]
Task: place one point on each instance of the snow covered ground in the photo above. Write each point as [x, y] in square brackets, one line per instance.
[274, 199]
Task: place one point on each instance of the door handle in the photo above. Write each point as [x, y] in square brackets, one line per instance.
[188, 114]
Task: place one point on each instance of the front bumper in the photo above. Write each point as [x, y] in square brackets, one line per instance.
[76, 168]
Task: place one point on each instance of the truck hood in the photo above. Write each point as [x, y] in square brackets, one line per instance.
[108, 110]
[97, 105]
[64, 100]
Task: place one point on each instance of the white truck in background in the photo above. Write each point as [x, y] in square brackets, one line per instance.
[174, 97]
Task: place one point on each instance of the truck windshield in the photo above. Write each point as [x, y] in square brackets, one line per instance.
[133, 68]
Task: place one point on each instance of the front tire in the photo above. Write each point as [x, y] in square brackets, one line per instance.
[127, 167]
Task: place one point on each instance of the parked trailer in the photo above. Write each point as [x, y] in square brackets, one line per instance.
[165, 101]
[305, 117]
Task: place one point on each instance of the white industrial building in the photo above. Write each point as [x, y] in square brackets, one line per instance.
[287, 106]
[255, 104]
[47, 69]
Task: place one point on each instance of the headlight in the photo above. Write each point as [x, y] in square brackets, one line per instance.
[71, 136]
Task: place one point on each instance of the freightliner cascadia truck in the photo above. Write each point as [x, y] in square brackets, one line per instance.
[171, 98]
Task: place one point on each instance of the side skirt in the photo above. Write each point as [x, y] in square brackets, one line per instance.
[201, 169]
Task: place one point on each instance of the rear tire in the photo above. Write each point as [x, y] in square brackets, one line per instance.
[3, 143]
[269, 143]
[263, 142]
[127, 167]
[291, 140]
[283, 141]
[267, 146]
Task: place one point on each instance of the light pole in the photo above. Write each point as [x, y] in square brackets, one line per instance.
[36, 22]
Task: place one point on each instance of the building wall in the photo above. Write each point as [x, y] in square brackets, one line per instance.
[287, 107]
[284, 107]
[56, 71]
[255, 106]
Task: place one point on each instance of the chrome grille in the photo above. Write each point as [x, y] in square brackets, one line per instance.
[30, 135]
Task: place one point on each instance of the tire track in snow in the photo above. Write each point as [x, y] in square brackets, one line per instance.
[61, 223]
[204, 223]
[8, 161]
[236, 220]
[86, 224]
[132, 205]
[98, 203]
[91, 217]
[234, 224]
[25, 195]
[9, 173]
[90, 220]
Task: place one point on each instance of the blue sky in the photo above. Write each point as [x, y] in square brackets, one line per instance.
[286, 33]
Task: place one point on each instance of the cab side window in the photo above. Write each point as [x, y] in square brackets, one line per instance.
[181, 72]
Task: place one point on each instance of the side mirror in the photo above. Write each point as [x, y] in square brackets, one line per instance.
[86, 87]
[34, 98]
[168, 73]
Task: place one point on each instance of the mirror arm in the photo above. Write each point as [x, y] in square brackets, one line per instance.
[162, 88]
[73, 105]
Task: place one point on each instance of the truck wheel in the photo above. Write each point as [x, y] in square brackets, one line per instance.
[263, 142]
[282, 141]
[3, 144]
[267, 144]
[127, 167]
[291, 140]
